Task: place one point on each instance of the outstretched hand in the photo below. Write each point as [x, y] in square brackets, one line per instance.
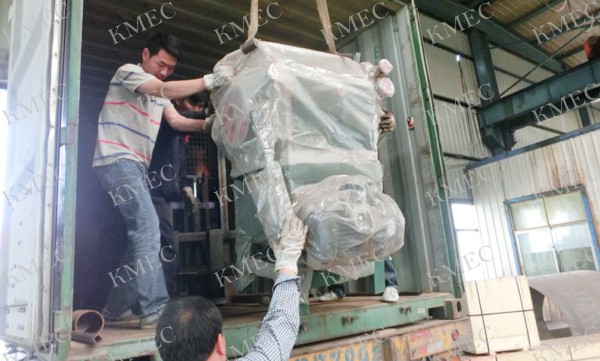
[288, 247]
[223, 74]
[387, 122]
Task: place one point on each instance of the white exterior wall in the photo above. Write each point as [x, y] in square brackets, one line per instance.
[558, 166]
[522, 175]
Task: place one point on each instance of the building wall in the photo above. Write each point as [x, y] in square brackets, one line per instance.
[490, 186]
[553, 168]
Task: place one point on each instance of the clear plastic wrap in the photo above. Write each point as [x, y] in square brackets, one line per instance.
[303, 122]
[351, 221]
[313, 109]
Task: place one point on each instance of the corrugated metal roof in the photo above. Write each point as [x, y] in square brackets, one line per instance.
[560, 17]
[507, 12]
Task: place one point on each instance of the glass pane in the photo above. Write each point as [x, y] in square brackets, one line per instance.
[565, 208]
[574, 246]
[464, 216]
[537, 252]
[529, 214]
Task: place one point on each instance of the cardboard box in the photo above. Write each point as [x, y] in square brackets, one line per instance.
[501, 315]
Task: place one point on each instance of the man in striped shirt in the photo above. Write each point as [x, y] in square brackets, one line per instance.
[137, 99]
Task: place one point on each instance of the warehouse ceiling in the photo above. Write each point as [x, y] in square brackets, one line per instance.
[557, 27]
[206, 31]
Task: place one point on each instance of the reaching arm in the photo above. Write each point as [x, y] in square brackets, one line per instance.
[176, 89]
[181, 123]
[179, 89]
[279, 330]
[278, 333]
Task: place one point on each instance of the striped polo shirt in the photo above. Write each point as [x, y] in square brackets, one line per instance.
[129, 121]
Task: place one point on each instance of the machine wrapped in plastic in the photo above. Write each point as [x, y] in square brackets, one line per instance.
[301, 127]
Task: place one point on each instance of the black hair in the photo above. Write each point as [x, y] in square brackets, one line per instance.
[188, 329]
[166, 42]
[198, 98]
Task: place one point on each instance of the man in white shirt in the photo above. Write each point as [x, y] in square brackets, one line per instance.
[137, 99]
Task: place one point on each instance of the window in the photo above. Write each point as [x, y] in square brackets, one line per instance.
[553, 234]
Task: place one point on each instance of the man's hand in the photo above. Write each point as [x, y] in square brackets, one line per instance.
[223, 74]
[289, 246]
[189, 200]
[387, 123]
[208, 123]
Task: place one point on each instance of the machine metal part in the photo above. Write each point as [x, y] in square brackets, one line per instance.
[575, 297]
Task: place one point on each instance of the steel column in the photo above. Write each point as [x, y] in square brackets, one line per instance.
[69, 136]
[437, 155]
[496, 139]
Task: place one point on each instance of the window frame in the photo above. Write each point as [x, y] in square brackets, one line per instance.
[555, 192]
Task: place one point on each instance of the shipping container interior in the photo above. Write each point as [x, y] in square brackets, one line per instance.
[99, 227]
[480, 201]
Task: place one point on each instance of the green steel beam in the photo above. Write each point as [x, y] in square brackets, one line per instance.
[484, 67]
[554, 96]
[584, 116]
[496, 139]
[448, 11]
[535, 13]
[477, 3]
[72, 51]
[350, 318]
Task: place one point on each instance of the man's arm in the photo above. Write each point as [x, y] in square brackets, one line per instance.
[179, 89]
[278, 333]
[176, 89]
[181, 123]
[279, 330]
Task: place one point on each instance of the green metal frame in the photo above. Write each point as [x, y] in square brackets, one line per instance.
[73, 74]
[517, 110]
[497, 139]
[344, 321]
[435, 148]
[377, 284]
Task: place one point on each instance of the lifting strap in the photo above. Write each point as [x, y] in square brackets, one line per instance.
[253, 28]
[326, 23]
[323, 15]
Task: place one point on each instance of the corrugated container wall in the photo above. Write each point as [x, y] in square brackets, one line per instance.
[405, 155]
[452, 84]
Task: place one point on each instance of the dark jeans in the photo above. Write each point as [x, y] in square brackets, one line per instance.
[391, 279]
[145, 291]
[167, 251]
